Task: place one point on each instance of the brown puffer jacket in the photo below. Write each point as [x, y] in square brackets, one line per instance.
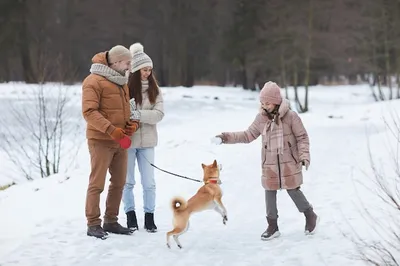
[284, 171]
[105, 105]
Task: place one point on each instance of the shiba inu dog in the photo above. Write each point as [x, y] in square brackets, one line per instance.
[207, 197]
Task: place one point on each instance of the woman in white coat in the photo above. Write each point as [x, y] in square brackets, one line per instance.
[144, 89]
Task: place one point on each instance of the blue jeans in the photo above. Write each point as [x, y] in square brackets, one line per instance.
[143, 156]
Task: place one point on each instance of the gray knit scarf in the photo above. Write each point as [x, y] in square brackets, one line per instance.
[109, 74]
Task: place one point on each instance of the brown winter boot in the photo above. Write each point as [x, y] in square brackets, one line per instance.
[116, 228]
[272, 230]
[311, 221]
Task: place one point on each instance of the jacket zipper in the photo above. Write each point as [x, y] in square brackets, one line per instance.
[140, 125]
[291, 152]
[279, 172]
[279, 164]
[141, 134]
[121, 93]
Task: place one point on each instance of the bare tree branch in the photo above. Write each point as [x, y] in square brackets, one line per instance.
[386, 226]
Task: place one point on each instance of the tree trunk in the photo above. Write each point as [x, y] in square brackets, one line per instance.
[243, 73]
[386, 52]
[376, 79]
[308, 54]
[24, 47]
[295, 86]
[283, 74]
[244, 79]
[189, 77]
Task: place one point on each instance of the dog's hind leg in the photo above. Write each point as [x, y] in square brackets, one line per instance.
[175, 233]
[220, 208]
[187, 227]
[176, 237]
[178, 243]
[168, 236]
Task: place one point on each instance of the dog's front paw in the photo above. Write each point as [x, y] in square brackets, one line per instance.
[225, 219]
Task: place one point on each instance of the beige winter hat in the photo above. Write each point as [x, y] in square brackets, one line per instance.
[139, 58]
[119, 53]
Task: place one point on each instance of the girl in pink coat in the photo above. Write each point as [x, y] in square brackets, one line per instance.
[284, 151]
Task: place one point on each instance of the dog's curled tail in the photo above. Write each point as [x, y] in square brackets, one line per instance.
[178, 203]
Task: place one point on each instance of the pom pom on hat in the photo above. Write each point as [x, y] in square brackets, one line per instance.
[136, 48]
[140, 58]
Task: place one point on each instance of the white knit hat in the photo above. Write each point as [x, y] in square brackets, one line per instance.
[118, 53]
[139, 58]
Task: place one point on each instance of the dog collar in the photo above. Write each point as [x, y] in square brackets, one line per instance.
[213, 181]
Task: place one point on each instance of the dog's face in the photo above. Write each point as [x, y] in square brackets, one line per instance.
[210, 171]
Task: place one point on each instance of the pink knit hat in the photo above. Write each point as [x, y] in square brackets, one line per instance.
[271, 93]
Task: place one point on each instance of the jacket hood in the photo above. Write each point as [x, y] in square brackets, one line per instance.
[100, 58]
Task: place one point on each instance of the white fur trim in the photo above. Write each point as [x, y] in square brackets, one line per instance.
[136, 48]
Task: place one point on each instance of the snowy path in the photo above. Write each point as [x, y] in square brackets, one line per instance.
[43, 222]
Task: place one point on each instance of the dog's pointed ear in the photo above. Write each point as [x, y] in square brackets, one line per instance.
[215, 163]
[203, 165]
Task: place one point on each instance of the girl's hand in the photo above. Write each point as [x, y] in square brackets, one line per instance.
[306, 164]
[219, 139]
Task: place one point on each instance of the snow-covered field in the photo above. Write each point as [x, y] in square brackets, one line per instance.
[43, 222]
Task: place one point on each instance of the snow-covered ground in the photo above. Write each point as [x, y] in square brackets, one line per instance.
[43, 222]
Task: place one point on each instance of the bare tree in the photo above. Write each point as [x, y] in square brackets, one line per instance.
[386, 228]
[41, 131]
[42, 126]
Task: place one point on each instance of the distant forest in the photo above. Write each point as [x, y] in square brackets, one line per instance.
[213, 42]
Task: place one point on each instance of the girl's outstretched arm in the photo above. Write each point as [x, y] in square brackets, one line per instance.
[247, 136]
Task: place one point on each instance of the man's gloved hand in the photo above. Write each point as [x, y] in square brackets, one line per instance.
[131, 127]
[117, 134]
[306, 164]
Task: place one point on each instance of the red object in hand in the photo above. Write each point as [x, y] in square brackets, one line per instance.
[125, 142]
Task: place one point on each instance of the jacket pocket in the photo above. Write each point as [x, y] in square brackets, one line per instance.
[264, 154]
[291, 153]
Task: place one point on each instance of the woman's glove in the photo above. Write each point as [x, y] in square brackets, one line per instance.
[131, 127]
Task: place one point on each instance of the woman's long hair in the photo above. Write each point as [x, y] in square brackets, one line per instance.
[135, 87]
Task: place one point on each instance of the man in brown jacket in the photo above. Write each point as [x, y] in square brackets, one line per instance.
[106, 109]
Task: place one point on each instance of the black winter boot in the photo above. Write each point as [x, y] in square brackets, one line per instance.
[149, 222]
[272, 230]
[131, 220]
